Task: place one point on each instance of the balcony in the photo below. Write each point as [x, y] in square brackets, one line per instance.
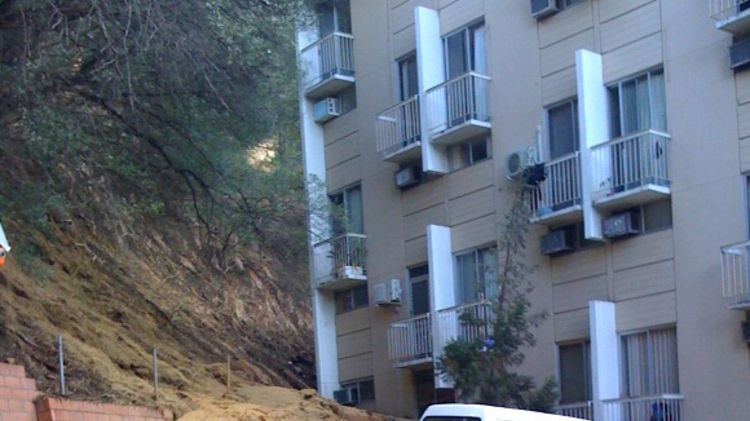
[397, 132]
[660, 407]
[328, 65]
[340, 262]
[410, 341]
[458, 109]
[735, 279]
[557, 199]
[630, 170]
[732, 16]
[582, 410]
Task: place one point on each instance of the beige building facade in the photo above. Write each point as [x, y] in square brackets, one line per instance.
[417, 116]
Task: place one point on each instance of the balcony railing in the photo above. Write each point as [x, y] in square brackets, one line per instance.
[339, 261]
[652, 408]
[328, 64]
[583, 410]
[561, 188]
[628, 165]
[460, 103]
[410, 341]
[397, 128]
[735, 271]
[467, 322]
[731, 15]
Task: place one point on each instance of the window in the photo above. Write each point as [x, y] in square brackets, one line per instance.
[347, 215]
[364, 389]
[407, 77]
[476, 275]
[638, 104]
[654, 216]
[351, 299]
[465, 51]
[562, 122]
[575, 372]
[347, 100]
[747, 203]
[420, 290]
[333, 16]
[650, 363]
[468, 153]
[564, 4]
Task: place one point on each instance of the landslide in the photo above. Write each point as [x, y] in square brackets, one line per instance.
[116, 288]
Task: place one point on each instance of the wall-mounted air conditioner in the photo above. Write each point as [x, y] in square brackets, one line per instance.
[387, 293]
[540, 9]
[346, 396]
[557, 242]
[518, 161]
[326, 109]
[621, 225]
[739, 54]
[406, 177]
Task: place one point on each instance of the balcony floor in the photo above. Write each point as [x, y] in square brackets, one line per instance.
[563, 216]
[738, 24]
[461, 132]
[416, 363]
[330, 86]
[412, 151]
[346, 277]
[632, 197]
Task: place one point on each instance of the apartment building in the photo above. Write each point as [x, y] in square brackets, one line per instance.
[416, 115]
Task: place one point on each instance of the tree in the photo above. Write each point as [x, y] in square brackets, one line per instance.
[482, 369]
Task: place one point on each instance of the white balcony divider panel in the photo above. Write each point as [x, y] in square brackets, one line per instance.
[323, 304]
[605, 350]
[398, 127]
[410, 340]
[593, 122]
[561, 188]
[338, 252]
[456, 101]
[329, 56]
[735, 271]
[442, 286]
[660, 407]
[583, 410]
[630, 162]
[430, 65]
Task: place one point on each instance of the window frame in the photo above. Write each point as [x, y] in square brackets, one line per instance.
[461, 155]
[615, 90]
[336, 226]
[357, 385]
[481, 283]
[650, 362]
[585, 345]
[572, 103]
[352, 299]
[469, 49]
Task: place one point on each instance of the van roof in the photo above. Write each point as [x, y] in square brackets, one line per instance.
[490, 413]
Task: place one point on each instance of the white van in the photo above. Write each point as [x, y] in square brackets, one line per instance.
[466, 412]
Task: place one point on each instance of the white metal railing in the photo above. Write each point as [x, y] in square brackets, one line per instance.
[336, 253]
[326, 57]
[398, 127]
[667, 407]
[630, 162]
[457, 101]
[583, 410]
[561, 187]
[411, 339]
[467, 322]
[724, 9]
[735, 279]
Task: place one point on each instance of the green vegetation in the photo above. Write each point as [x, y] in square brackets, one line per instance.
[482, 369]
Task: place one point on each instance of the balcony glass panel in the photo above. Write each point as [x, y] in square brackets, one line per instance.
[561, 188]
[630, 164]
[339, 262]
[651, 408]
[458, 103]
[328, 64]
[735, 282]
[397, 129]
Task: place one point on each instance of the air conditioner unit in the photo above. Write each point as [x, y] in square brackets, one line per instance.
[739, 54]
[406, 177]
[346, 396]
[540, 9]
[327, 109]
[518, 161]
[621, 224]
[557, 242]
[387, 293]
